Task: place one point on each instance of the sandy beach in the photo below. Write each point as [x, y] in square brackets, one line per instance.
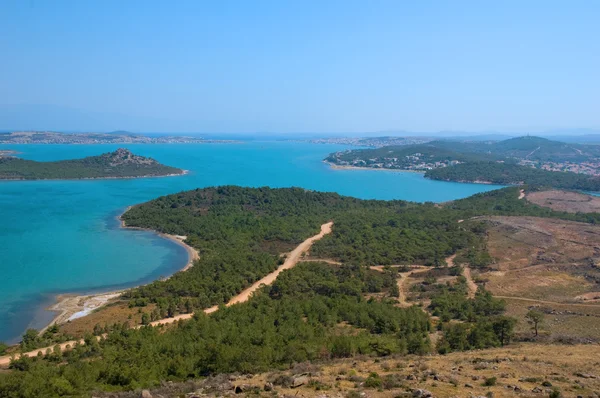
[73, 306]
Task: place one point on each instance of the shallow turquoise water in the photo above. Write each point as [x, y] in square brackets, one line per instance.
[62, 236]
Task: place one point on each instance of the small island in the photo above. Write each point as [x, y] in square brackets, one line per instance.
[118, 164]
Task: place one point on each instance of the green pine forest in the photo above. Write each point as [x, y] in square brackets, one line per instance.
[313, 312]
[514, 174]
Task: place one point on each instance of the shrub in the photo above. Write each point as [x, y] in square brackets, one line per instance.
[555, 393]
[489, 381]
[373, 381]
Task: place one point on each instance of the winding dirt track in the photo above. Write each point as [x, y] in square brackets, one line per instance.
[472, 286]
[401, 292]
[292, 259]
[401, 280]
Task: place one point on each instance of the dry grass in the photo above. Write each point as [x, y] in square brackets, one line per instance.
[571, 202]
[522, 241]
[547, 264]
[561, 321]
[519, 369]
[542, 283]
[118, 312]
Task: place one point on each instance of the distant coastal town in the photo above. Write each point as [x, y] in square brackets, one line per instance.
[374, 142]
[413, 162]
[590, 167]
[116, 137]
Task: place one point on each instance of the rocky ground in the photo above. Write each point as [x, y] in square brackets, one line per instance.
[521, 370]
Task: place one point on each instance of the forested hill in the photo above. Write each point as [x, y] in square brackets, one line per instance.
[313, 312]
[524, 160]
[240, 233]
[530, 148]
[542, 149]
[118, 164]
[513, 174]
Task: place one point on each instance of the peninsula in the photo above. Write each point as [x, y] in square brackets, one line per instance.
[118, 164]
[525, 160]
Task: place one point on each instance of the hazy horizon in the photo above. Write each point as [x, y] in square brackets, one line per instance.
[335, 67]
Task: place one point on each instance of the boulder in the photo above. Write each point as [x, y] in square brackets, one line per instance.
[420, 393]
[145, 394]
[299, 380]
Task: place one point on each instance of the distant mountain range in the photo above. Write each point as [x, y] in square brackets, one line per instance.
[43, 117]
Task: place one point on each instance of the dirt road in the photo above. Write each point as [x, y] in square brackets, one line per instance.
[401, 280]
[401, 291]
[292, 259]
[471, 285]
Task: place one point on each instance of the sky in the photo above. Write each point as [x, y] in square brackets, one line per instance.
[299, 65]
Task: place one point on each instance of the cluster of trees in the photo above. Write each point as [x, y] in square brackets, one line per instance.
[505, 202]
[386, 235]
[514, 174]
[471, 323]
[314, 311]
[240, 234]
[32, 339]
[120, 163]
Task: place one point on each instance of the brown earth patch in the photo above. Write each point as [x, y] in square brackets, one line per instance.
[517, 242]
[570, 202]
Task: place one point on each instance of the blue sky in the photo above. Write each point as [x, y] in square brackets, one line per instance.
[300, 66]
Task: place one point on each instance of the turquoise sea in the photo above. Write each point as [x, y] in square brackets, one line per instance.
[63, 236]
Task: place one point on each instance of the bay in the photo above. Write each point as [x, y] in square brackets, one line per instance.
[63, 236]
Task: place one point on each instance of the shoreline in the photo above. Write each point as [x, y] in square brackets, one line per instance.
[71, 306]
[183, 172]
[343, 167]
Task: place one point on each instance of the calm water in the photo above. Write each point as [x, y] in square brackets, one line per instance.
[62, 236]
